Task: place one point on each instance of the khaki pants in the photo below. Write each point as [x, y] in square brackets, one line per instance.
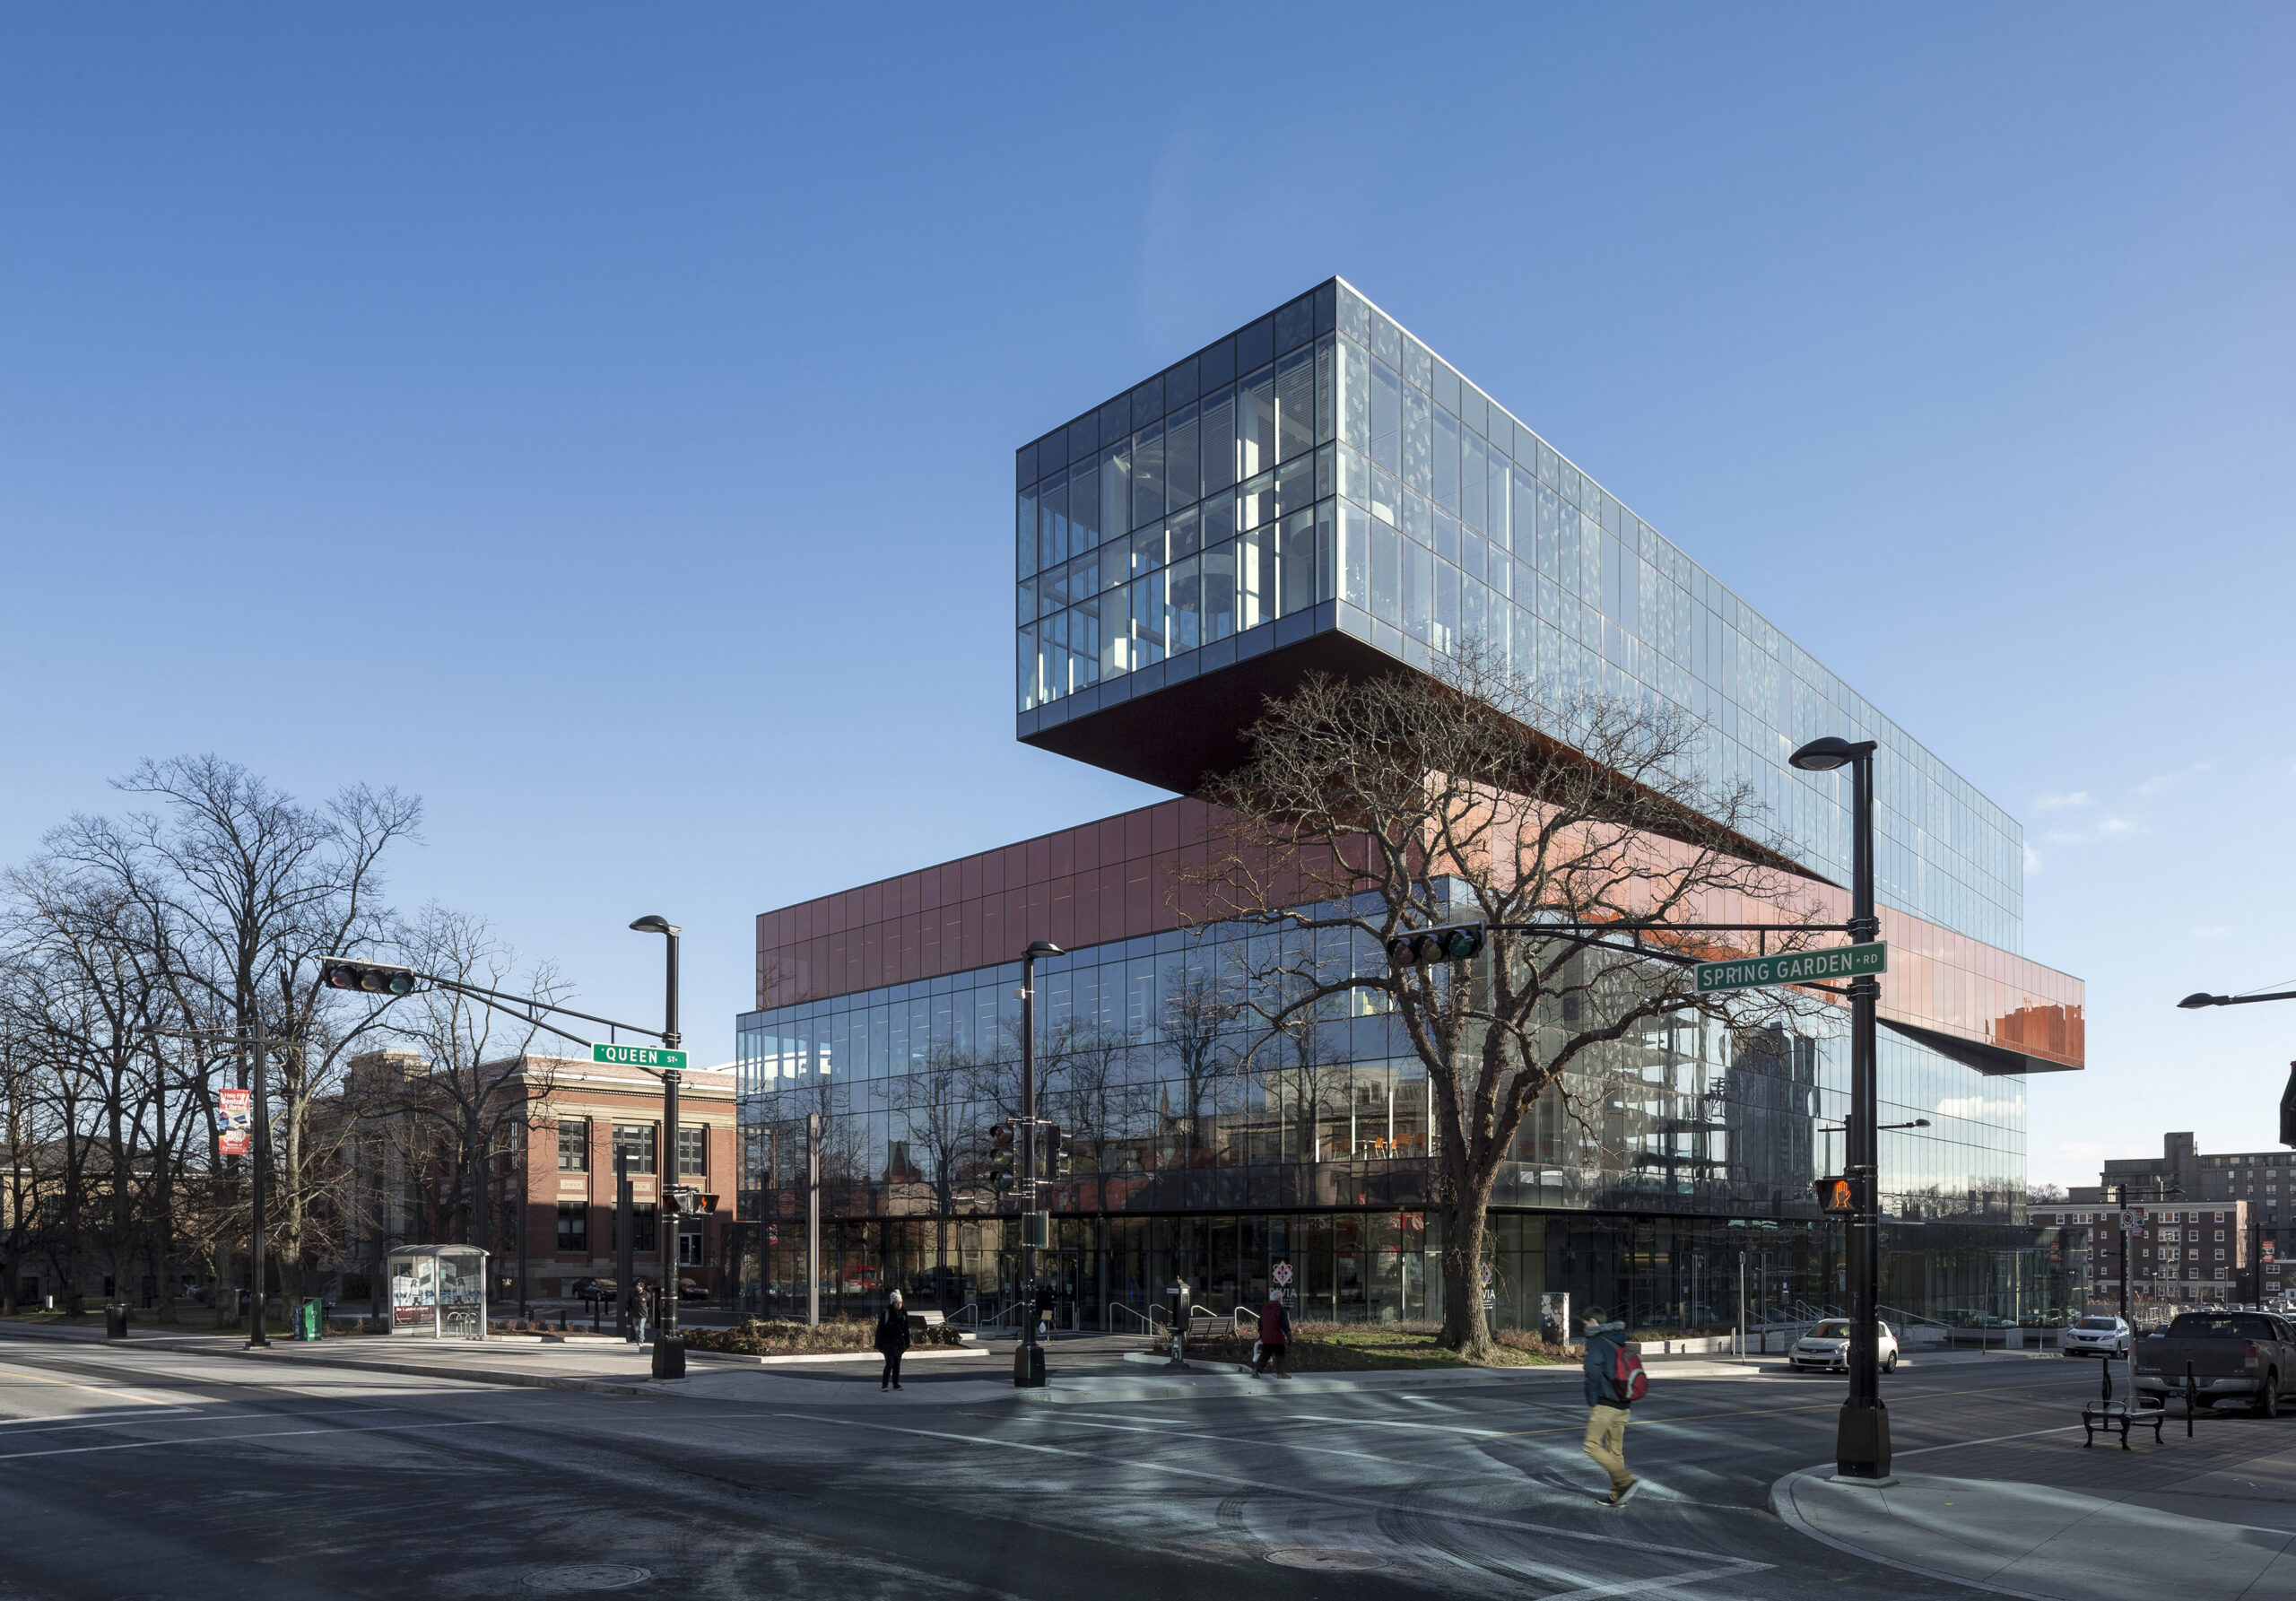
[1606, 1442]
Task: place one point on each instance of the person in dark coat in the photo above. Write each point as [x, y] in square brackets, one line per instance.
[1274, 1338]
[1607, 1407]
[892, 1339]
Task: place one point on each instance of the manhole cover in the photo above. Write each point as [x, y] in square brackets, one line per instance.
[1331, 1558]
[581, 1579]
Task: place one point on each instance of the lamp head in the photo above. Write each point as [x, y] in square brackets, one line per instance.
[1823, 754]
[1042, 947]
[2200, 998]
[654, 922]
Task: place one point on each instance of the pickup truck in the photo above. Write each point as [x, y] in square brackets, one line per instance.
[2235, 1356]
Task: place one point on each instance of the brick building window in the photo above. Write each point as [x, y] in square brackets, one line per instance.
[693, 1152]
[573, 1145]
[636, 1139]
[573, 1230]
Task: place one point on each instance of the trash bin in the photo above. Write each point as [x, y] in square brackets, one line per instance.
[115, 1321]
[309, 1320]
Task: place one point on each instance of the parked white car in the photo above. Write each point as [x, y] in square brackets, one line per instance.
[1827, 1346]
[2097, 1336]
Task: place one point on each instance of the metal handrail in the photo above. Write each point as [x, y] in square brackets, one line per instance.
[1147, 1324]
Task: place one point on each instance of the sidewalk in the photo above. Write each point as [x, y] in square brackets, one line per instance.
[2048, 1543]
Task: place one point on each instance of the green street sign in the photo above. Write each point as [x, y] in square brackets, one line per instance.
[1800, 967]
[640, 1056]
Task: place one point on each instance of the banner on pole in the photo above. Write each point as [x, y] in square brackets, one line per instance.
[234, 1121]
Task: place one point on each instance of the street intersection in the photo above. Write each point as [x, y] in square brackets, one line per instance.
[136, 1471]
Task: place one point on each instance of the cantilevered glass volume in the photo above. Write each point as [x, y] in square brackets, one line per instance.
[1320, 490]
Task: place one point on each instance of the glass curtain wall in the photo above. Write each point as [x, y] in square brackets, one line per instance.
[1324, 454]
[1180, 1115]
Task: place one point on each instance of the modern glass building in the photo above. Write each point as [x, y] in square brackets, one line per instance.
[1319, 490]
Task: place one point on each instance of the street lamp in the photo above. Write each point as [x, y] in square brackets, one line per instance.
[669, 1356]
[1028, 1358]
[1862, 1438]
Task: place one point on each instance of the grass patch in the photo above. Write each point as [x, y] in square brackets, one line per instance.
[780, 1337]
[1361, 1347]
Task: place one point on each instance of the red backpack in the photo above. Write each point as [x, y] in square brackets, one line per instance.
[1627, 1375]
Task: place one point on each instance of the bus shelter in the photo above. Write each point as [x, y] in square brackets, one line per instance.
[439, 1292]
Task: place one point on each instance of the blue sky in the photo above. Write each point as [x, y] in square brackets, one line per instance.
[601, 422]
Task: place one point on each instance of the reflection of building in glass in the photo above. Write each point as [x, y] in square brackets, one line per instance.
[1318, 492]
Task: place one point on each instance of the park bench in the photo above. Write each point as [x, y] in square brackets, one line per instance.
[2141, 1412]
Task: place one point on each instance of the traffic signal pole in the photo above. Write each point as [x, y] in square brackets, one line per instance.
[1862, 1438]
[1028, 1357]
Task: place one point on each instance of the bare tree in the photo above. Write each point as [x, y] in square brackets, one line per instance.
[483, 1092]
[939, 1119]
[1371, 810]
[1200, 1010]
[253, 889]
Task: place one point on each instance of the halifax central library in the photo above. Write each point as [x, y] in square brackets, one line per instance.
[1319, 492]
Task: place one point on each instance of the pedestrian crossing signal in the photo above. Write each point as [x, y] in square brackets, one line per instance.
[1835, 1195]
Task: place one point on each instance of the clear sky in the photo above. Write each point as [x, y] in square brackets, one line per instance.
[600, 420]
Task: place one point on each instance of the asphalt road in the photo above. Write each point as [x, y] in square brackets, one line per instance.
[129, 1473]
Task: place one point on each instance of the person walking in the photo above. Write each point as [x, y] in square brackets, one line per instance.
[1607, 1403]
[892, 1339]
[1274, 1339]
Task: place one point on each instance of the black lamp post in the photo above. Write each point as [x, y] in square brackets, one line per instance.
[1862, 1438]
[669, 1356]
[1027, 1358]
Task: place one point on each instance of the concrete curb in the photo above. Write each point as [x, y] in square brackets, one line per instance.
[1781, 1503]
[504, 1376]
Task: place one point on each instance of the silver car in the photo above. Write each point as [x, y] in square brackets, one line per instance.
[2097, 1336]
[1827, 1346]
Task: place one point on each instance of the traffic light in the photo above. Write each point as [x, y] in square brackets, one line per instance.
[1450, 942]
[369, 978]
[1055, 1152]
[1000, 1156]
[1836, 1195]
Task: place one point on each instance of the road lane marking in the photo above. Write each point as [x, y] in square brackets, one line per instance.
[1990, 1439]
[10, 1422]
[1632, 1587]
[145, 1445]
[93, 1389]
[204, 1417]
[1227, 1482]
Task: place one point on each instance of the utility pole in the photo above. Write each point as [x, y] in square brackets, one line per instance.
[259, 1155]
[669, 1355]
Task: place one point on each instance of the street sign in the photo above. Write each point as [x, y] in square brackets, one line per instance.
[1798, 966]
[1281, 1274]
[640, 1056]
[2131, 1221]
[234, 1116]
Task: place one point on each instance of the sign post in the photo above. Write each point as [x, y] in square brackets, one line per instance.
[1797, 967]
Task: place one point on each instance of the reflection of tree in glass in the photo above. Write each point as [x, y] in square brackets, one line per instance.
[933, 1105]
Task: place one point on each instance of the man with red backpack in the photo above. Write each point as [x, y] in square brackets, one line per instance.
[1615, 1381]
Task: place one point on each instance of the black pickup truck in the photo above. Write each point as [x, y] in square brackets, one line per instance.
[2248, 1357]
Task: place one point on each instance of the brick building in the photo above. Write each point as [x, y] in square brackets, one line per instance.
[2183, 1252]
[2259, 1182]
[563, 1120]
